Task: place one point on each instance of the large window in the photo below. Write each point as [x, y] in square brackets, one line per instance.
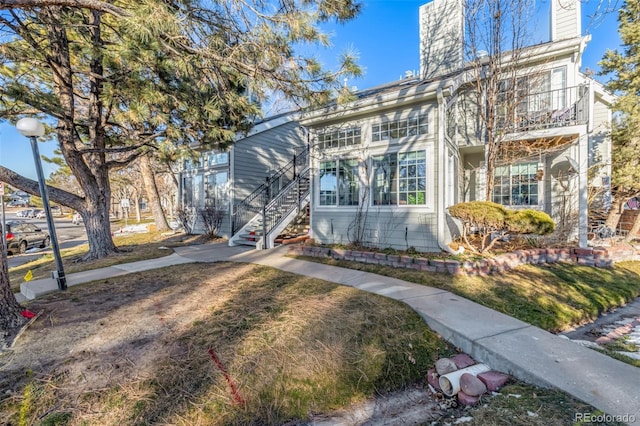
[516, 185]
[393, 129]
[193, 164]
[187, 191]
[339, 183]
[338, 138]
[216, 190]
[217, 158]
[400, 178]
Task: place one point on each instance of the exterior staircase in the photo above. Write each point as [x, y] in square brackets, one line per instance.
[261, 217]
[297, 230]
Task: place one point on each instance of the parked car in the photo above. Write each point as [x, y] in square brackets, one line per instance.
[22, 236]
[55, 211]
[24, 213]
[35, 213]
[18, 203]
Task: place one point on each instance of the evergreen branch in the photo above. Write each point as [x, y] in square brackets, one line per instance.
[97, 5]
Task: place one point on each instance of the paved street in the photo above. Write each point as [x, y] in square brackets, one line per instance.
[69, 235]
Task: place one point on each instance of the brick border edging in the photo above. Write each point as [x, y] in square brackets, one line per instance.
[597, 257]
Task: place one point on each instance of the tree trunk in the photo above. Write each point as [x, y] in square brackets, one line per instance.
[90, 169]
[151, 188]
[98, 228]
[617, 208]
[138, 199]
[10, 318]
[633, 232]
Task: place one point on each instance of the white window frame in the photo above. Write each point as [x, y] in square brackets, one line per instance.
[534, 167]
[220, 191]
[429, 180]
[339, 137]
[416, 123]
[338, 181]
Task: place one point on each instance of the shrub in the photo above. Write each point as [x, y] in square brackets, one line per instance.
[212, 219]
[187, 218]
[530, 222]
[483, 214]
[493, 222]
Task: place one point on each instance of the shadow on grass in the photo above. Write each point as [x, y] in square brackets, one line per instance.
[135, 350]
[291, 346]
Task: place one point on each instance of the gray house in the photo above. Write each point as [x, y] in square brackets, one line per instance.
[242, 180]
[385, 167]
[382, 170]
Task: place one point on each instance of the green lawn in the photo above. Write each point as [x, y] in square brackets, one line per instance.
[554, 297]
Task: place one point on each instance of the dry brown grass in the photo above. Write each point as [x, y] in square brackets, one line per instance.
[135, 350]
[133, 247]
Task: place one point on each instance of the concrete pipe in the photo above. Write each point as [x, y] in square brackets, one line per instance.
[450, 382]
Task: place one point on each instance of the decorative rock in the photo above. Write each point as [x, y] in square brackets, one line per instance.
[432, 379]
[465, 399]
[462, 361]
[471, 385]
[445, 365]
[493, 380]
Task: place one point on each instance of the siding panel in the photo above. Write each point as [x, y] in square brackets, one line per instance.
[260, 155]
[398, 229]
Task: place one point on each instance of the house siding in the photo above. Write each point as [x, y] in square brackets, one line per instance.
[258, 156]
[441, 39]
[398, 226]
[399, 229]
[599, 140]
[565, 19]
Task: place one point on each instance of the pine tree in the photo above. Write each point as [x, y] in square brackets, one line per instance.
[624, 66]
[116, 81]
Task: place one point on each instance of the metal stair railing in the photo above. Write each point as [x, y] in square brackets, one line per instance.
[255, 202]
[288, 200]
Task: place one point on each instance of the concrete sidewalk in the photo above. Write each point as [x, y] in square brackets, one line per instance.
[504, 343]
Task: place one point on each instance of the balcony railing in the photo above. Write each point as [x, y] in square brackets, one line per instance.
[544, 110]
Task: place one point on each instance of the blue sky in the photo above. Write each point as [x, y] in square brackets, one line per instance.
[385, 35]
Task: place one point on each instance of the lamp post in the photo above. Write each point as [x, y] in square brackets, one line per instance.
[32, 128]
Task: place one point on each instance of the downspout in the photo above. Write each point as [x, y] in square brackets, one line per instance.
[441, 187]
[231, 188]
[312, 179]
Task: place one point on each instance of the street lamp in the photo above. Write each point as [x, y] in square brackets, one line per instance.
[32, 128]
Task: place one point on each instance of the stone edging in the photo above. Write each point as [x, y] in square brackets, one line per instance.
[597, 257]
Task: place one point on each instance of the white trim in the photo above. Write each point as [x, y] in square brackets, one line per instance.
[430, 179]
[269, 123]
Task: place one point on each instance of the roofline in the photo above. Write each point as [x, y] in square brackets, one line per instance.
[269, 123]
[409, 89]
[608, 98]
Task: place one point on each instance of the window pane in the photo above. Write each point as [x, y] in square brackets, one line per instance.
[348, 186]
[216, 192]
[187, 192]
[384, 179]
[516, 185]
[328, 183]
[219, 158]
[412, 177]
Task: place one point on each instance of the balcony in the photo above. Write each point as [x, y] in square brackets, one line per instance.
[544, 110]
